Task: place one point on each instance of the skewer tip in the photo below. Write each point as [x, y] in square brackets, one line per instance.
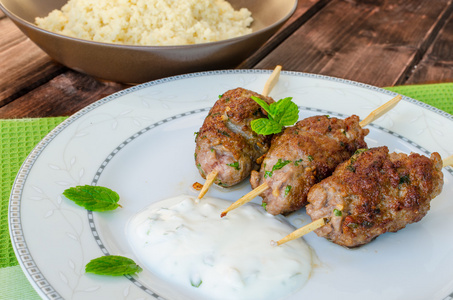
[448, 161]
[380, 111]
[210, 178]
[270, 83]
[246, 198]
[303, 231]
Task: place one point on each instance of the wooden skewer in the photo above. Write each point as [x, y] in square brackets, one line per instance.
[301, 231]
[321, 222]
[448, 161]
[374, 115]
[246, 198]
[380, 111]
[272, 81]
[209, 181]
[268, 86]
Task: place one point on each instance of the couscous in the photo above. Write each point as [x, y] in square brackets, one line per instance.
[149, 22]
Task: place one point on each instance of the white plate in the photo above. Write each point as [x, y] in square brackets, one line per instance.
[140, 142]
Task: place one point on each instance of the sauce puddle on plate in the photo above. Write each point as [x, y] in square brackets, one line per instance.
[185, 242]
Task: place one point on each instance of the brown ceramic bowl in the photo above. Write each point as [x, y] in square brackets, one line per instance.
[137, 64]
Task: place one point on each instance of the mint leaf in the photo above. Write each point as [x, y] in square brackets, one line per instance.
[282, 113]
[265, 126]
[95, 198]
[286, 112]
[113, 265]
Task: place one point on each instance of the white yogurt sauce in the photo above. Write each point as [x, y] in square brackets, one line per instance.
[188, 244]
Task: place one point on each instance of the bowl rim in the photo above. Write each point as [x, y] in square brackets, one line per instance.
[28, 24]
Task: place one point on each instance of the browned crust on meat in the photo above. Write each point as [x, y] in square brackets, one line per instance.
[312, 149]
[375, 192]
[226, 141]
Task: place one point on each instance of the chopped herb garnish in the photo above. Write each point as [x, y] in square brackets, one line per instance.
[200, 169]
[296, 162]
[196, 284]
[405, 179]
[359, 151]
[280, 164]
[287, 190]
[223, 132]
[310, 158]
[353, 225]
[94, 198]
[353, 159]
[282, 113]
[337, 212]
[367, 224]
[235, 165]
[220, 96]
[264, 205]
[112, 265]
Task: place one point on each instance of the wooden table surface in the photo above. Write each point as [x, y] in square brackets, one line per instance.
[378, 42]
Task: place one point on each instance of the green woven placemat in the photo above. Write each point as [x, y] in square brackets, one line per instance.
[18, 137]
[437, 95]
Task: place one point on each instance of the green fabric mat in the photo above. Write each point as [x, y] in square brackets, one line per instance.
[437, 95]
[18, 137]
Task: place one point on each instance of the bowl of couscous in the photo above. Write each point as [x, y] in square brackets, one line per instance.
[134, 41]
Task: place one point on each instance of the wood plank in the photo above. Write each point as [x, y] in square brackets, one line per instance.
[369, 41]
[10, 36]
[437, 65]
[304, 11]
[33, 69]
[23, 65]
[62, 96]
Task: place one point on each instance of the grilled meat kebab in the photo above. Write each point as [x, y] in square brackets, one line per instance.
[303, 155]
[374, 192]
[226, 142]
